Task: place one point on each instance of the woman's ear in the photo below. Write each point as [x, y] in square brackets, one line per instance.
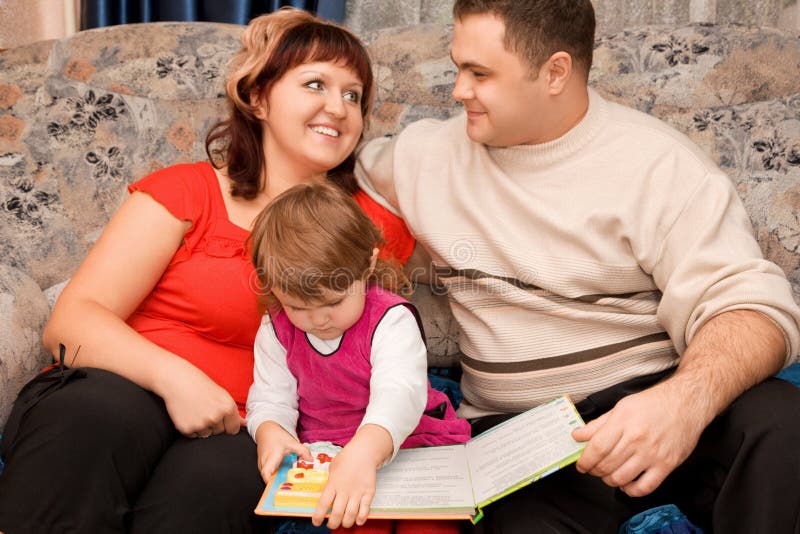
[259, 106]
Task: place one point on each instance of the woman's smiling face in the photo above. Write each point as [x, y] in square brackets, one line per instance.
[312, 117]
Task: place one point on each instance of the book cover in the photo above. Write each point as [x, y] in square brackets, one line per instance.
[444, 482]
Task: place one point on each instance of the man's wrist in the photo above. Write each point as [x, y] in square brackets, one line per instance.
[690, 396]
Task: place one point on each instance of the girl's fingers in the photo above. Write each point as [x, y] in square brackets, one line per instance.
[271, 464]
[351, 512]
[323, 505]
[304, 453]
[300, 450]
[363, 511]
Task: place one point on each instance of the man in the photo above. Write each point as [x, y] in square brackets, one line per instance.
[590, 249]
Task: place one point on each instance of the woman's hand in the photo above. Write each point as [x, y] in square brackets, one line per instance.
[273, 443]
[197, 405]
[351, 483]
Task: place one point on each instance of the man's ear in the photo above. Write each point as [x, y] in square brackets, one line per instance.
[558, 69]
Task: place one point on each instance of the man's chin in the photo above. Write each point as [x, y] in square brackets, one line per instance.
[476, 135]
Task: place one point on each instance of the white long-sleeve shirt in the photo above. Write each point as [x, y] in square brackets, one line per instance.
[398, 383]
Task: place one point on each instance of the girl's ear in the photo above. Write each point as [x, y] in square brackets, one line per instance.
[373, 260]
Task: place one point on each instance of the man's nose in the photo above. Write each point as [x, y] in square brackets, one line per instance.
[462, 90]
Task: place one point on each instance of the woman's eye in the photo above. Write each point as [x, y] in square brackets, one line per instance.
[315, 84]
[352, 96]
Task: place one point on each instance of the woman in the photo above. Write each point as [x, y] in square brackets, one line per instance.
[159, 319]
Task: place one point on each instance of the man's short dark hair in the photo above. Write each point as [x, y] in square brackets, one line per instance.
[536, 29]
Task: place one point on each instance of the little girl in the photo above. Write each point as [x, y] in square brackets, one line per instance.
[339, 357]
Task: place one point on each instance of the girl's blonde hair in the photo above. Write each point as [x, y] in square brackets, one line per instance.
[272, 45]
[315, 237]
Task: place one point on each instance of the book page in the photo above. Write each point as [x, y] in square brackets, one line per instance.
[523, 448]
[427, 477]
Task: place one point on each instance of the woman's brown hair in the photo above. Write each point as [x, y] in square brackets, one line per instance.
[271, 45]
[314, 237]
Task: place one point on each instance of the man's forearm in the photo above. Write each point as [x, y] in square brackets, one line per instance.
[731, 353]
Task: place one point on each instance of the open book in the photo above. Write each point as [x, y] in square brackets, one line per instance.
[449, 481]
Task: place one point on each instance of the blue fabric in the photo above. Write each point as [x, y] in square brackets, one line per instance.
[666, 519]
[300, 526]
[99, 13]
[791, 374]
[448, 387]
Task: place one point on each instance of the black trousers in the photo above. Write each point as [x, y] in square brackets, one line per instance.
[744, 475]
[100, 454]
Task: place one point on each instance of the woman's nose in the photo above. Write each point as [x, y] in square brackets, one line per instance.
[334, 105]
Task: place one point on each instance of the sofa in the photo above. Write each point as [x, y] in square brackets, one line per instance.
[81, 117]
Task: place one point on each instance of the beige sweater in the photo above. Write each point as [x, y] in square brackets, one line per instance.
[578, 263]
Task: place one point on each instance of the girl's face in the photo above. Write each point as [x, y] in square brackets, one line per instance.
[311, 119]
[330, 314]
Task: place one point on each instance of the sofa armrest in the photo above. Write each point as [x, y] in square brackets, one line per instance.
[23, 314]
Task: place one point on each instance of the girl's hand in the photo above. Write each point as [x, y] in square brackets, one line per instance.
[197, 405]
[351, 484]
[273, 443]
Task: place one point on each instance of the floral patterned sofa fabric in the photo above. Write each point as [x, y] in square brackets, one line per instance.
[82, 117]
[89, 114]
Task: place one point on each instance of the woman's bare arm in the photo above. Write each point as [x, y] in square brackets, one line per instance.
[117, 274]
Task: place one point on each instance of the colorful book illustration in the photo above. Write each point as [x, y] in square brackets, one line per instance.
[302, 484]
[445, 482]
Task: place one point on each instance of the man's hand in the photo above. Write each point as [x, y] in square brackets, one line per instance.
[273, 443]
[641, 440]
[648, 434]
[351, 483]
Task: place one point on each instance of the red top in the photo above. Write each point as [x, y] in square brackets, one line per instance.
[204, 307]
[399, 241]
